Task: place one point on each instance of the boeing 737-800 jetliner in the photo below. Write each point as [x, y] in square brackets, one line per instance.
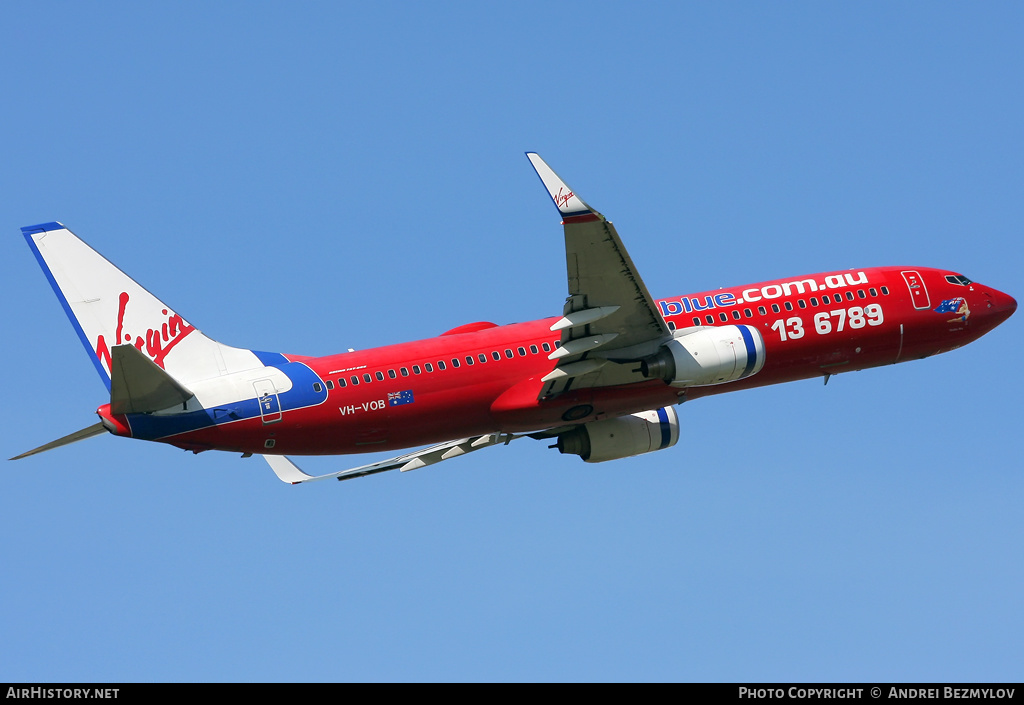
[602, 379]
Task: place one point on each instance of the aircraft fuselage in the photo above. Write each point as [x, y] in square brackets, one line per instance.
[483, 378]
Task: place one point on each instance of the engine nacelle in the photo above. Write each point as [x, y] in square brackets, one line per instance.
[712, 355]
[622, 437]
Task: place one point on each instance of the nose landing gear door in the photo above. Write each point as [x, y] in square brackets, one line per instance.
[918, 292]
[266, 397]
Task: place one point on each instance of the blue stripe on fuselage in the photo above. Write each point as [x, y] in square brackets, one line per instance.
[153, 427]
[270, 359]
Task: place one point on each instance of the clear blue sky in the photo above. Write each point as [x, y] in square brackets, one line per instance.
[316, 176]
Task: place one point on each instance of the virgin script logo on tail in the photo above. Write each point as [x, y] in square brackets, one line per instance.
[156, 342]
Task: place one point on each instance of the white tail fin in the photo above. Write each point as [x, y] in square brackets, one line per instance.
[108, 308]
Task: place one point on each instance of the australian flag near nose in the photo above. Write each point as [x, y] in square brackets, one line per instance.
[950, 305]
[399, 398]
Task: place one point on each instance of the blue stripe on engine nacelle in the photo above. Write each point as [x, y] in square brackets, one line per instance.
[748, 341]
[666, 428]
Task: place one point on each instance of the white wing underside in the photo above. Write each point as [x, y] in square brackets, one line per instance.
[289, 472]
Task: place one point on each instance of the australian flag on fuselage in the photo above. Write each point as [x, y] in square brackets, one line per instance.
[950, 305]
[399, 398]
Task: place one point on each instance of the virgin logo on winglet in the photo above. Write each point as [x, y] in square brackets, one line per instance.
[562, 200]
[156, 343]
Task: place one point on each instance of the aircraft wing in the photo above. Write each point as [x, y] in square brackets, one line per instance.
[289, 472]
[609, 314]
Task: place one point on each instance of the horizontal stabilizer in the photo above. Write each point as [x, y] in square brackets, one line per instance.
[94, 430]
[139, 386]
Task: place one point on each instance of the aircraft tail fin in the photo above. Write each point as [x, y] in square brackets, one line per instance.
[109, 309]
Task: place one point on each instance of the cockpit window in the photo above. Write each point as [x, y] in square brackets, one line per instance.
[958, 279]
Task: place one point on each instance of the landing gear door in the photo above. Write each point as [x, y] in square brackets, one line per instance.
[918, 292]
[266, 397]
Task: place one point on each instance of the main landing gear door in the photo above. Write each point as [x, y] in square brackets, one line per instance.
[266, 397]
[918, 292]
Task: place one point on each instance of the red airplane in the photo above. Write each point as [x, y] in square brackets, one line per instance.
[601, 380]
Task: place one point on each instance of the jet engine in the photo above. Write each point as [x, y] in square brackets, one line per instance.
[622, 437]
[713, 355]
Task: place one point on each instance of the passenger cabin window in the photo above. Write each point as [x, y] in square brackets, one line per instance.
[710, 319]
[762, 310]
[671, 325]
[546, 347]
[317, 387]
[355, 379]
[392, 374]
[428, 367]
[533, 349]
[696, 321]
[521, 351]
[440, 365]
[509, 354]
[801, 303]
[379, 375]
[861, 294]
[329, 383]
[748, 313]
[367, 378]
[885, 291]
[775, 308]
[814, 301]
[469, 360]
[789, 305]
[873, 291]
[849, 296]
[481, 357]
[455, 362]
[496, 355]
[415, 369]
[342, 382]
[404, 371]
[723, 317]
[736, 314]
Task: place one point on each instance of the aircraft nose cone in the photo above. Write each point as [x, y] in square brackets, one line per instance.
[1001, 306]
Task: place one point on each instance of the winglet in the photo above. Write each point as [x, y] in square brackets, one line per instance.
[571, 206]
[286, 470]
